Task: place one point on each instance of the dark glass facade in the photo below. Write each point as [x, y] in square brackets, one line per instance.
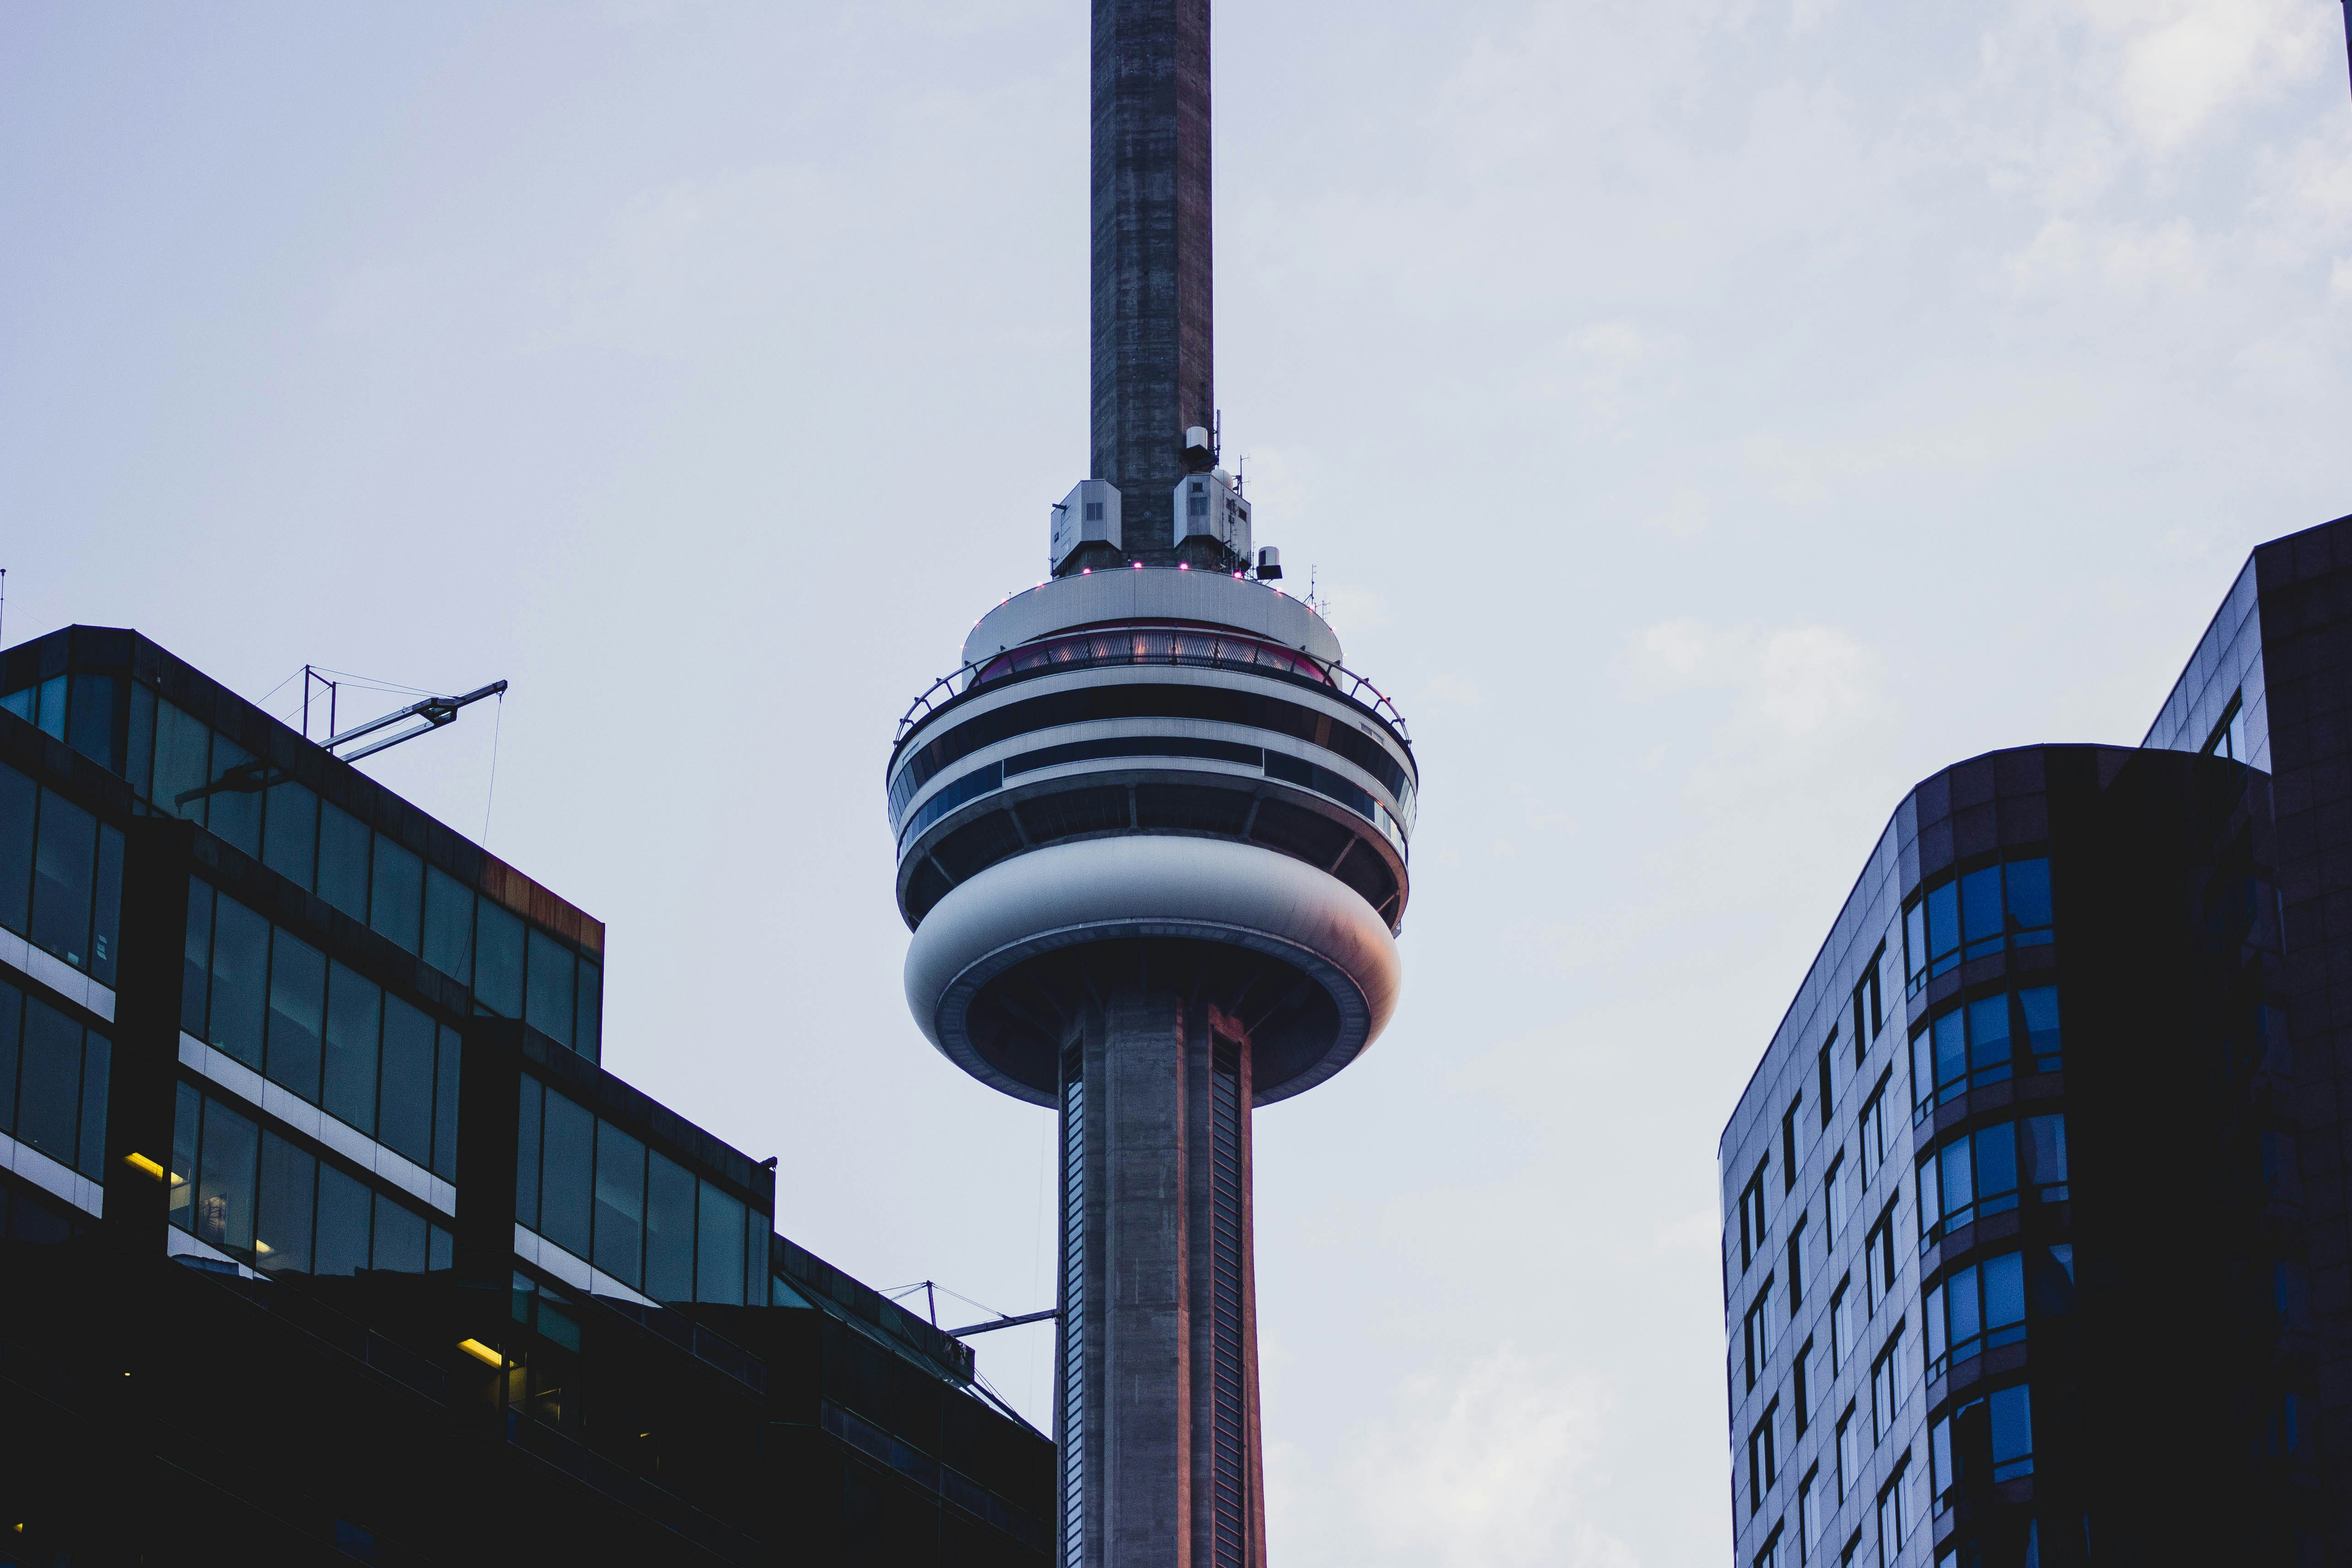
[2035, 1239]
[327, 1237]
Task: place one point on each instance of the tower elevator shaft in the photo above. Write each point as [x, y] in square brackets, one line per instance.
[1157, 1405]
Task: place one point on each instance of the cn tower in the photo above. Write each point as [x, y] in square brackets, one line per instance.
[1152, 847]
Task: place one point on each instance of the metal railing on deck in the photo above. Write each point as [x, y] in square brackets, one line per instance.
[1191, 647]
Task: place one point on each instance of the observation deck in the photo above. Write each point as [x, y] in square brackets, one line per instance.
[1163, 753]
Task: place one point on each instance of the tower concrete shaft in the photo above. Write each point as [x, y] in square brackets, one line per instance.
[1153, 321]
[1157, 1404]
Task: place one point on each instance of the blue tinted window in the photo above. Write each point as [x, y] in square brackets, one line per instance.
[403, 1116]
[2004, 1291]
[399, 1237]
[285, 1206]
[619, 1204]
[18, 795]
[1942, 905]
[1981, 914]
[354, 1026]
[448, 924]
[2045, 1149]
[49, 1081]
[227, 1169]
[183, 763]
[240, 997]
[1914, 944]
[64, 872]
[345, 1210]
[718, 1255]
[89, 720]
[587, 1019]
[1952, 1049]
[343, 851]
[1996, 1162]
[49, 707]
[195, 977]
[289, 832]
[1956, 1183]
[235, 788]
[566, 1198]
[105, 907]
[444, 1107]
[669, 1230]
[1967, 1321]
[2038, 1008]
[189, 1110]
[498, 960]
[298, 1000]
[550, 1007]
[1989, 1038]
[396, 895]
[2012, 1433]
[2029, 896]
[141, 730]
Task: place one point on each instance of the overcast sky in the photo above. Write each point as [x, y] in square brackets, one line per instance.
[1706, 418]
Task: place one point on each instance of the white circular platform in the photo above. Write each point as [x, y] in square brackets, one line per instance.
[1155, 885]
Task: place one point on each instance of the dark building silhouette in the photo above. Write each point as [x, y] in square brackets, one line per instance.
[325, 1236]
[2036, 1248]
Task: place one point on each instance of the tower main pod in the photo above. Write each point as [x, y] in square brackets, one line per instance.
[1153, 845]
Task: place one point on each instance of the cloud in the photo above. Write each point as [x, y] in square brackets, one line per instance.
[2179, 65]
[1454, 691]
[1791, 684]
[1488, 1467]
[1697, 1231]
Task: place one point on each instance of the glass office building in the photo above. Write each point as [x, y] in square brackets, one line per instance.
[2034, 1238]
[324, 1235]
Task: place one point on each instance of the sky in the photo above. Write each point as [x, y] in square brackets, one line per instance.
[1705, 420]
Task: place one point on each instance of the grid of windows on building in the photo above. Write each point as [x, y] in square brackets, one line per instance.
[599, 1193]
[1992, 1170]
[277, 1205]
[1986, 1305]
[186, 767]
[262, 996]
[1985, 1040]
[53, 1074]
[60, 876]
[1973, 916]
